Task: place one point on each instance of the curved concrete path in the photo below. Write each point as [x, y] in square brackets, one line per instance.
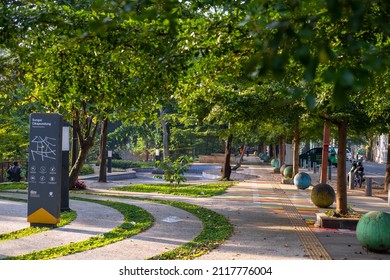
[261, 229]
[92, 219]
[172, 227]
[12, 216]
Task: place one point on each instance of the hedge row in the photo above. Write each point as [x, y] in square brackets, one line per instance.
[126, 164]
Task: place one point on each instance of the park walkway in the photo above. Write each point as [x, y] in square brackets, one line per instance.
[272, 221]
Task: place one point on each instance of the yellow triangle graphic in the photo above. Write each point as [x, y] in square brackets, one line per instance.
[41, 216]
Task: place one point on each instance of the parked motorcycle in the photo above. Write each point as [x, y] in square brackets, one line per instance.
[357, 171]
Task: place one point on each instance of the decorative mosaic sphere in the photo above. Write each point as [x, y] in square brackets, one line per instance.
[322, 195]
[287, 172]
[302, 180]
[373, 231]
[282, 168]
[265, 158]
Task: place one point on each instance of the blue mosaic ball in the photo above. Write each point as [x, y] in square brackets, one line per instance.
[302, 180]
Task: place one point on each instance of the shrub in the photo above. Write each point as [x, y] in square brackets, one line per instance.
[174, 171]
[79, 185]
[86, 170]
[126, 164]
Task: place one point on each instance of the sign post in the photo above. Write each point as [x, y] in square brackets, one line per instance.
[45, 169]
[65, 168]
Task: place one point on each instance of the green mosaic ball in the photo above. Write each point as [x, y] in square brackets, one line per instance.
[322, 195]
[287, 172]
[373, 231]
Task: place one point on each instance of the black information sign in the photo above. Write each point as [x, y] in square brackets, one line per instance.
[44, 174]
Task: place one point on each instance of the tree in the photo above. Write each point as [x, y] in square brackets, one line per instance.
[103, 151]
[84, 68]
[14, 120]
[378, 108]
[339, 43]
[213, 89]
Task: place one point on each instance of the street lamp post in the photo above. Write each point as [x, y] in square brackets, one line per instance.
[65, 168]
[109, 161]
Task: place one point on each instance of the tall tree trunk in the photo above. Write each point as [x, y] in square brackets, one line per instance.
[85, 143]
[74, 144]
[227, 169]
[296, 151]
[147, 152]
[103, 152]
[281, 150]
[80, 161]
[387, 175]
[274, 152]
[165, 135]
[369, 152]
[341, 192]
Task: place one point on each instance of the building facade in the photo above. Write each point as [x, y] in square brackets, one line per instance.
[380, 153]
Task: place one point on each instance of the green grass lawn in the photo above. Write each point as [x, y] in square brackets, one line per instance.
[194, 190]
[13, 186]
[197, 190]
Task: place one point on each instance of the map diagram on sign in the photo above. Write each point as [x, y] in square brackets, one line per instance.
[44, 148]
